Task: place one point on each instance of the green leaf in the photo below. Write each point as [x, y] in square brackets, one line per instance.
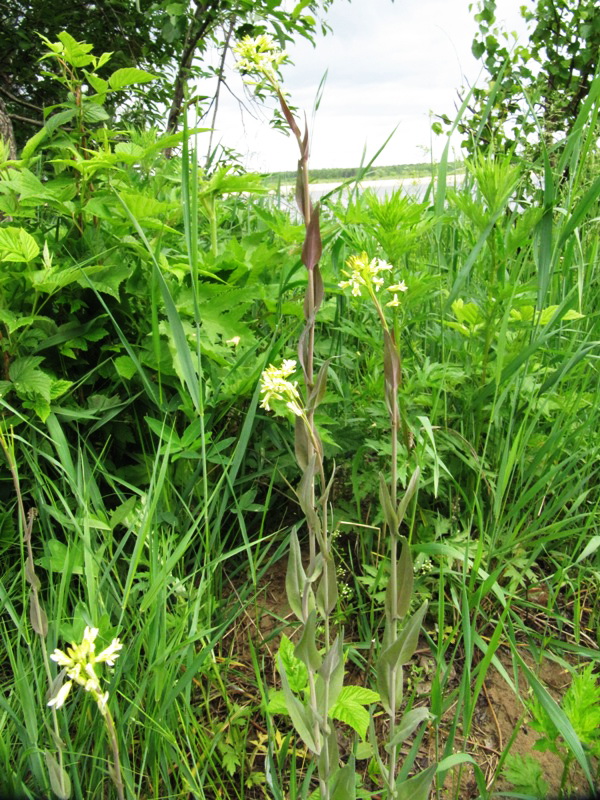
[389, 512]
[93, 112]
[40, 405]
[125, 367]
[76, 53]
[276, 703]
[331, 674]
[327, 591]
[404, 584]
[416, 788]
[559, 719]
[295, 669]
[408, 494]
[26, 376]
[61, 556]
[407, 725]
[17, 245]
[349, 708]
[56, 120]
[301, 716]
[37, 615]
[344, 784]
[129, 76]
[295, 579]
[306, 649]
[59, 779]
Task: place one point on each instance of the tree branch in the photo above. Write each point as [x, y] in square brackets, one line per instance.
[193, 36]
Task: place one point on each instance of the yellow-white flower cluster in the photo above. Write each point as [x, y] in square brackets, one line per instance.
[398, 287]
[365, 272]
[259, 55]
[274, 385]
[79, 663]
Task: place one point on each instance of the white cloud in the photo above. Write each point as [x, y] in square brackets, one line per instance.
[388, 64]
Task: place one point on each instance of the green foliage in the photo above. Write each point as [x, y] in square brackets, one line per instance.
[525, 774]
[165, 38]
[550, 75]
[140, 300]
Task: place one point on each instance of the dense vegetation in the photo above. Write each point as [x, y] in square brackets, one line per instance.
[301, 490]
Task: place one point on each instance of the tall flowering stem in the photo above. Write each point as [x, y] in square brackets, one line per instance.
[366, 277]
[312, 593]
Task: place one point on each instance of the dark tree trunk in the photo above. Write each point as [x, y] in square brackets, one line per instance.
[205, 17]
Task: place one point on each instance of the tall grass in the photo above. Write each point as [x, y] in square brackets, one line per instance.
[501, 405]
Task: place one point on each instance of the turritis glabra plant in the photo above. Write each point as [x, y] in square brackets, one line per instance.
[312, 591]
[365, 277]
[79, 666]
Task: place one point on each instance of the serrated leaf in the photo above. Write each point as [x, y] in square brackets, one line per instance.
[60, 782]
[56, 120]
[129, 76]
[276, 703]
[349, 707]
[76, 53]
[28, 379]
[17, 245]
[59, 388]
[295, 669]
[40, 405]
[93, 112]
[352, 714]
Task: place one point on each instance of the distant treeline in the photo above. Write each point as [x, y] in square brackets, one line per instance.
[374, 173]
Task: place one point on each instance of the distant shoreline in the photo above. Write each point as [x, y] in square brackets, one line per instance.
[369, 183]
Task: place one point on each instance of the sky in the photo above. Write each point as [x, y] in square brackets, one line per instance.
[388, 64]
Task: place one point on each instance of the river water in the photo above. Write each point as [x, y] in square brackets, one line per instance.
[414, 187]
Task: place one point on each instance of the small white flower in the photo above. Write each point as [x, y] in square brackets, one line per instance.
[59, 698]
[110, 653]
[276, 386]
[79, 663]
[102, 701]
[364, 272]
[234, 341]
[260, 55]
